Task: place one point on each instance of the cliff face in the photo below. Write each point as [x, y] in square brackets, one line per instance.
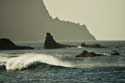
[29, 20]
[69, 31]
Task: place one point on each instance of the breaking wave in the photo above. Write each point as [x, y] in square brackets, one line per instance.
[24, 61]
[13, 62]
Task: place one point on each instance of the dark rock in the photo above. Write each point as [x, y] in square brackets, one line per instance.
[7, 44]
[115, 52]
[50, 43]
[2, 66]
[89, 54]
[92, 46]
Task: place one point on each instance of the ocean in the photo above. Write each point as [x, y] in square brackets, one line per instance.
[61, 65]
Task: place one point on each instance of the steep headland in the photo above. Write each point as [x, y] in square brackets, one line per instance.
[29, 20]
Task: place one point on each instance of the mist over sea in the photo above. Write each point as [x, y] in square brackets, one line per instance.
[61, 65]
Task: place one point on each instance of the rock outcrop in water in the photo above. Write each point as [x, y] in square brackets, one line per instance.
[89, 54]
[25, 20]
[92, 45]
[50, 43]
[115, 52]
[2, 66]
[7, 44]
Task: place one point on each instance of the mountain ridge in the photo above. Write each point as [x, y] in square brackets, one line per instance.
[24, 20]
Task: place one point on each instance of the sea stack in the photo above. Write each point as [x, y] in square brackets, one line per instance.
[50, 43]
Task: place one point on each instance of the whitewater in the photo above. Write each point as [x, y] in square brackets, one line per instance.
[61, 65]
[23, 61]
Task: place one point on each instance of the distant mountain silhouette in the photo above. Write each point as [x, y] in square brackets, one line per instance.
[29, 20]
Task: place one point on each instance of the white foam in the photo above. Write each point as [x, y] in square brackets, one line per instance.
[79, 46]
[24, 60]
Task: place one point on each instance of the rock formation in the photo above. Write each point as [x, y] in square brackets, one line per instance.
[92, 45]
[6, 44]
[88, 54]
[25, 20]
[50, 43]
[115, 52]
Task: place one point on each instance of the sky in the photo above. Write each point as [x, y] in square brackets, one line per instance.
[105, 19]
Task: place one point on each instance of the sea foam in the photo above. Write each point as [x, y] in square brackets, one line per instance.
[23, 61]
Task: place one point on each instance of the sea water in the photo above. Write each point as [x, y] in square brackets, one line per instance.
[61, 65]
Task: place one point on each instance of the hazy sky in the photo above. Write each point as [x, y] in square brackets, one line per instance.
[105, 18]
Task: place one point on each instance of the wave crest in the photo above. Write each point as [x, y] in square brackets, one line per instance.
[23, 61]
[15, 62]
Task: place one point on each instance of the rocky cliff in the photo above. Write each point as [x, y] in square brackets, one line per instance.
[29, 20]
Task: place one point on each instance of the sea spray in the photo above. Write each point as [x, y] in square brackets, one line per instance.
[25, 60]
